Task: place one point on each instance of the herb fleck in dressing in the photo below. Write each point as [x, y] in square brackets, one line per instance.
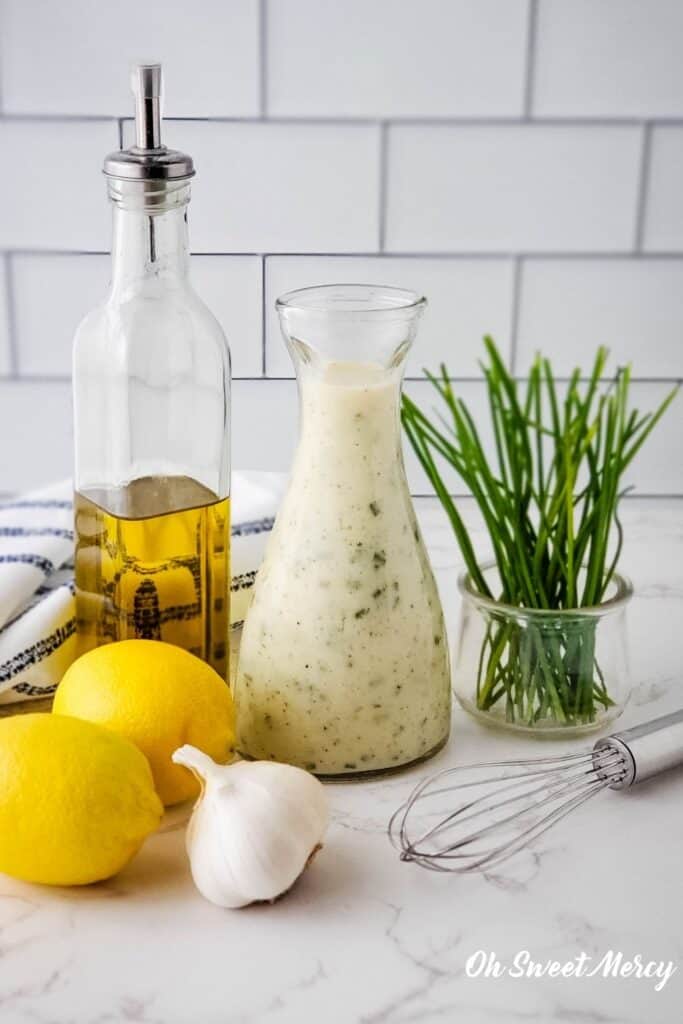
[343, 664]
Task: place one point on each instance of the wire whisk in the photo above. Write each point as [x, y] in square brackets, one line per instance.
[506, 805]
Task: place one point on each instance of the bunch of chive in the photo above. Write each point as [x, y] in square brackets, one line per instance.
[549, 498]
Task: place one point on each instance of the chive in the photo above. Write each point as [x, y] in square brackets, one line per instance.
[549, 499]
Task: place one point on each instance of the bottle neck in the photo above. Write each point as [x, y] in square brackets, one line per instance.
[150, 239]
[349, 417]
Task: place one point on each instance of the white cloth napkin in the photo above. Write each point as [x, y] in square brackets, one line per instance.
[37, 612]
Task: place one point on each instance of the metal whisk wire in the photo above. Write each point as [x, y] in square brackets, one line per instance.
[544, 790]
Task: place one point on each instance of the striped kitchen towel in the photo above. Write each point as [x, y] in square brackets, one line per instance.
[37, 604]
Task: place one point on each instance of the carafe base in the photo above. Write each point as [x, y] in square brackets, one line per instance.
[356, 775]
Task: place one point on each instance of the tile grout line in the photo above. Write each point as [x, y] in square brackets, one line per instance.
[383, 182]
[514, 312]
[66, 118]
[56, 378]
[3, 20]
[11, 318]
[263, 58]
[456, 255]
[631, 496]
[530, 61]
[423, 496]
[574, 120]
[643, 184]
[264, 373]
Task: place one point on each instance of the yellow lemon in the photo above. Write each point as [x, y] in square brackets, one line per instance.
[76, 801]
[158, 696]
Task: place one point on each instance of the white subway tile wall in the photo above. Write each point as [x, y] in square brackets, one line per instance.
[505, 188]
[72, 57]
[520, 162]
[609, 58]
[232, 287]
[388, 59]
[281, 187]
[51, 294]
[35, 427]
[70, 284]
[5, 337]
[635, 306]
[664, 208]
[51, 186]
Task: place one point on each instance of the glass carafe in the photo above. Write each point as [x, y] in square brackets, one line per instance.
[344, 666]
[151, 380]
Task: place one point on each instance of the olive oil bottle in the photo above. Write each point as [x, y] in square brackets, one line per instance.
[153, 566]
[151, 378]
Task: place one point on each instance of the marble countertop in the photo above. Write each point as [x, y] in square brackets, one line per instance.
[366, 938]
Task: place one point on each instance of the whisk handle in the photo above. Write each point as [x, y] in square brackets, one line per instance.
[648, 749]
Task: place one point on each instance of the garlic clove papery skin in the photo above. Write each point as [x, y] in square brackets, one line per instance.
[253, 829]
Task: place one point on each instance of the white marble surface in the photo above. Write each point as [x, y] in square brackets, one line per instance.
[365, 938]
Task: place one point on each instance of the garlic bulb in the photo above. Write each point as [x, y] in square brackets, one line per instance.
[254, 828]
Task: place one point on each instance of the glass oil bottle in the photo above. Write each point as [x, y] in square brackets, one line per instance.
[151, 379]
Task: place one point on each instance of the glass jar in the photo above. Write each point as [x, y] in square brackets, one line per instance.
[534, 670]
[344, 666]
[151, 383]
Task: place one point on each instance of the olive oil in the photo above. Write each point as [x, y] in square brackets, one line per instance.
[153, 562]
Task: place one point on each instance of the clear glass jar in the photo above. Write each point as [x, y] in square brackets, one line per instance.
[344, 666]
[151, 381]
[553, 673]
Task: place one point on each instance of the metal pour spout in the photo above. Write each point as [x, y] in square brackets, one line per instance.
[145, 82]
[148, 160]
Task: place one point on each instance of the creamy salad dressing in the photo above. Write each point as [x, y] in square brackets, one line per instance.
[344, 664]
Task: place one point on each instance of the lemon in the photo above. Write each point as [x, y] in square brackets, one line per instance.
[158, 696]
[76, 801]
